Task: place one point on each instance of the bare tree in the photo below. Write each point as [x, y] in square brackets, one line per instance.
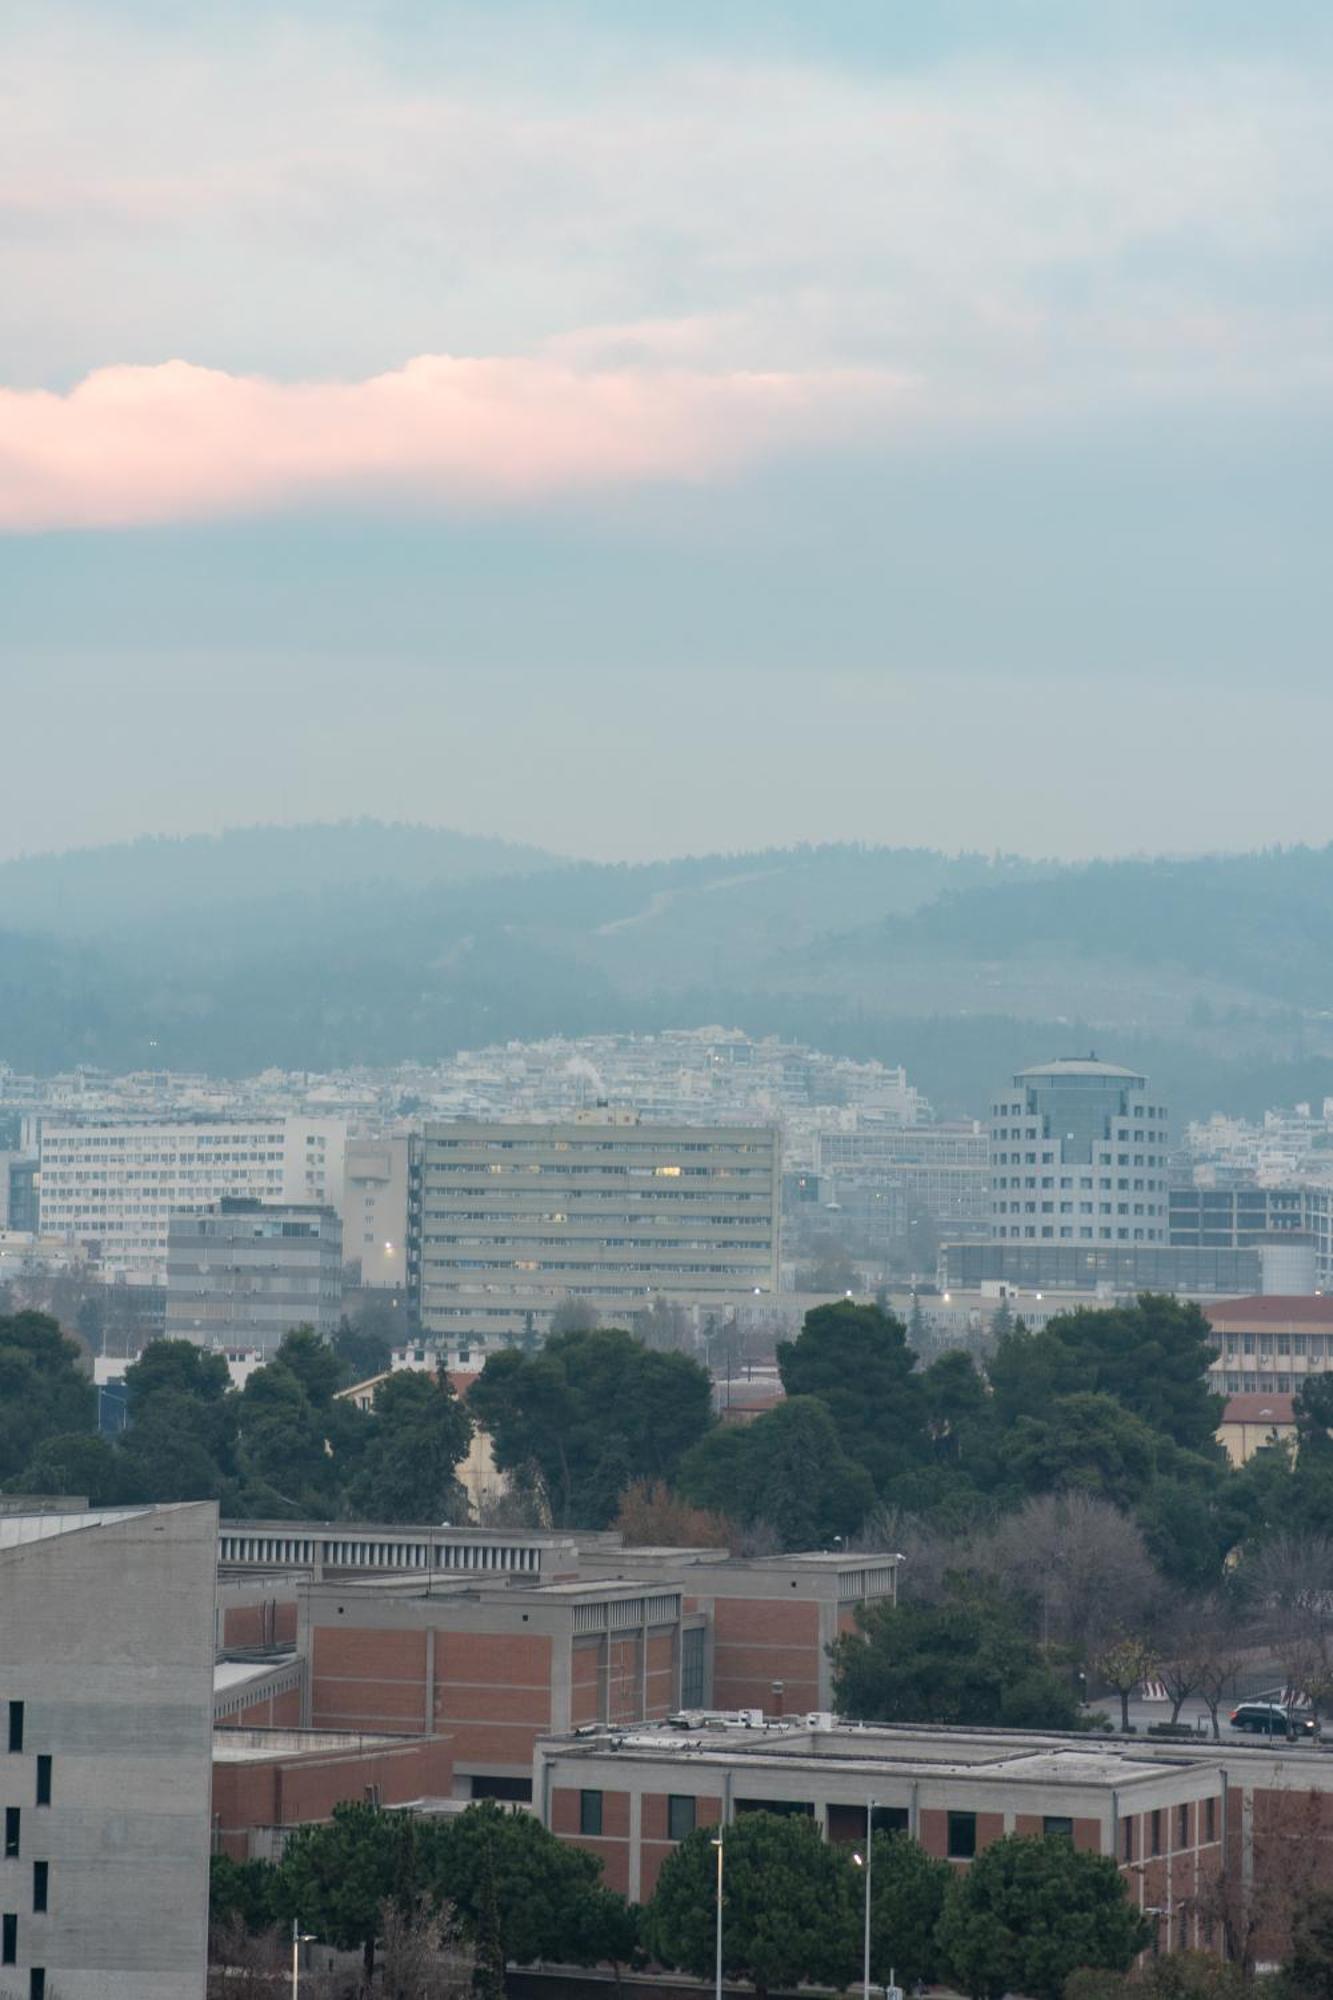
[425, 1954]
[1122, 1665]
[1253, 1906]
[242, 1964]
[1082, 1564]
[1219, 1649]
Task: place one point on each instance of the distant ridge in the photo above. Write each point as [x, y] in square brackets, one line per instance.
[88, 890]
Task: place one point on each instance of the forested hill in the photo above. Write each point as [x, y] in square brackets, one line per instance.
[324, 946]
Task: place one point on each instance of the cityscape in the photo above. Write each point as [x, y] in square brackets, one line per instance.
[666, 1062]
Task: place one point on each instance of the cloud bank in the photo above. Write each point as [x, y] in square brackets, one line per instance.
[133, 445]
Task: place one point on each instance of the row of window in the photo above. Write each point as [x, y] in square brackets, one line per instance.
[682, 1809]
[1156, 1831]
[1052, 1159]
[1067, 1235]
[1084, 1207]
[13, 1849]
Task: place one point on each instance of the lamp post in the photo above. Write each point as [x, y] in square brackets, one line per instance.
[866, 1863]
[717, 1973]
[299, 1937]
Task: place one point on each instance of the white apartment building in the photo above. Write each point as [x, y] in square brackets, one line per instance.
[115, 1185]
[1079, 1153]
[374, 1208]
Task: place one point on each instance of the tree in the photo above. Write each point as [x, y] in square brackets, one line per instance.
[1123, 1664]
[787, 1469]
[180, 1444]
[542, 1887]
[335, 1878]
[424, 1955]
[1307, 1972]
[587, 1415]
[314, 1362]
[963, 1660]
[82, 1463]
[243, 1889]
[1078, 1561]
[1029, 1911]
[788, 1911]
[44, 1392]
[907, 1892]
[1089, 1443]
[856, 1360]
[1152, 1357]
[650, 1515]
[421, 1433]
[364, 1343]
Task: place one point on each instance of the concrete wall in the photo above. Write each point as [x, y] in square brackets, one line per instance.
[106, 1637]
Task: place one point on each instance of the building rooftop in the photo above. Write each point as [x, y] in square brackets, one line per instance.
[1252, 1408]
[1277, 1309]
[263, 1746]
[16, 1529]
[1080, 1066]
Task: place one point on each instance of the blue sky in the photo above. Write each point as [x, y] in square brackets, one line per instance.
[643, 429]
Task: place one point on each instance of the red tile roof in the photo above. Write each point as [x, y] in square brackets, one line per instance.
[1252, 1408]
[1282, 1309]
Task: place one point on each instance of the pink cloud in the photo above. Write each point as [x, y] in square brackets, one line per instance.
[130, 445]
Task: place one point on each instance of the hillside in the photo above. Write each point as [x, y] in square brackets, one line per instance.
[317, 947]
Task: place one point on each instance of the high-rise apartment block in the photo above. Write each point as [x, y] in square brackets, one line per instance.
[106, 1710]
[242, 1273]
[508, 1220]
[116, 1185]
[1078, 1156]
[374, 1209]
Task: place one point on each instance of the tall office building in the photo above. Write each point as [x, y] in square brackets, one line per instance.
[243, 1273]
[508, 1220]
[106, 1711]
[1078, 1154]
[116, 1184]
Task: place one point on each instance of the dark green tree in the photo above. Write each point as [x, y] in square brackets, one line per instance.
[1152, 1357]
[589, 1413]
[789, 1907]
[243, 1889]
[420, 1436]
[1029, 1911]
[488, 1972]
[1083, 1443]
[1307, 1971]
[44, 1392]
[786, 1469]
[334, 1879]
[544, 1890]
[180, 1444]
[856, 1360]
[965, 1659]
[314, 1362]
[81, 1463]
[907, 1891]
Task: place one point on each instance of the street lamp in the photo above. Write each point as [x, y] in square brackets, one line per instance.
[717, 1975]
[866, 1862]
[299, 1937]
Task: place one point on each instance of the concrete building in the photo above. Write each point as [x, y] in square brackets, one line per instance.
[1113, 1270]
[374, 1210]
[1268, 1345]
[630, 1798]
[1291, 1226]
[511, 1219]
[243, 1273]
[941, 1171]
[117, 1184]
[1078, 1156]
[106, 1698]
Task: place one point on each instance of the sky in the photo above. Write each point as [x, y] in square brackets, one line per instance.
[646, 429]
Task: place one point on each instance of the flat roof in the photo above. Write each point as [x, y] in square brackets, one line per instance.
[261, 1746]
[18, 1529]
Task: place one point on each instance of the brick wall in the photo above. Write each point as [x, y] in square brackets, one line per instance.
[757, 1641]
[298, 1791]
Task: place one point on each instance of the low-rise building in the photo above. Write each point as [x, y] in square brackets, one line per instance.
[1251, 1421]
[1268, 1345]
[268, 1781]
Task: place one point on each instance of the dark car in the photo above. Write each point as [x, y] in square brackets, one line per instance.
[1272, 1718]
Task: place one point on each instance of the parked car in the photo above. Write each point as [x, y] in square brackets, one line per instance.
[1272, 1718]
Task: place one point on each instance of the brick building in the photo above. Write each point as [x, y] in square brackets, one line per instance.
[267, 1781]
[629, 1799]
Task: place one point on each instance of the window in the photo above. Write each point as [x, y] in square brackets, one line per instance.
[680, 1816]
[41, 1882]
[1182, 1826]
[37, 1983]
[43, 1781]
[15, 1726]
[1156, 1830]
[692, 1667]
[9, 1939]
[1058, 1823]
[1210, 1819]
[590, 1813]
[962, 1836]
[11, 1832]
[1127, 1840]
